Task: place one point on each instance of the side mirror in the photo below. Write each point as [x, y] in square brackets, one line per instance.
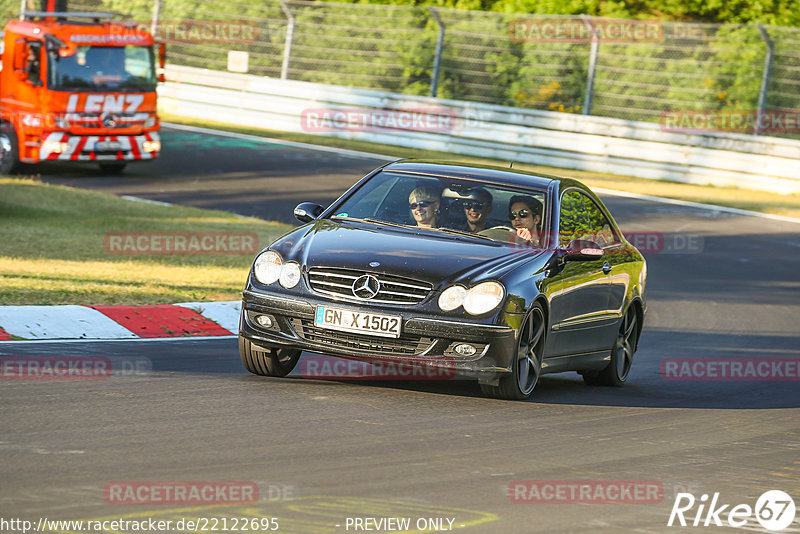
[583, 250]
[307, 212]
[162, 61]
[21, 49]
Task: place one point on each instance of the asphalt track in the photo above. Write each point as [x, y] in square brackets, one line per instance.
[322, 451]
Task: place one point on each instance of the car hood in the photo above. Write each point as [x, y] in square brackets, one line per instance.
[428, 255]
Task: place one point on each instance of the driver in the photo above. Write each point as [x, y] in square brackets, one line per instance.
[477, 207]
[33, 68]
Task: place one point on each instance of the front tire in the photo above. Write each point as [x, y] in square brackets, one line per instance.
[9, 149]
[616, 372]
[275, 362]
[527, 364]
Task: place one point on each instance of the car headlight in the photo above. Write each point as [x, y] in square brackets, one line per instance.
[151, 146]
[452, 297]
[290, 275]
[483, 298]
[480, 299]
[267, 267]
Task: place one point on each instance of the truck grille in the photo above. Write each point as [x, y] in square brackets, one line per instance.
[95, 120]
[405, 345]
[393, 289]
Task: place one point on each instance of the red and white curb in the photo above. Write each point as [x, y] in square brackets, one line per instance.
[186, 319]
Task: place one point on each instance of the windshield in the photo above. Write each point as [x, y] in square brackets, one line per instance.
[104, 68]
[449, 205]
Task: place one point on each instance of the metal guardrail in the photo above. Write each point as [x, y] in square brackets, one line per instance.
[564, 140]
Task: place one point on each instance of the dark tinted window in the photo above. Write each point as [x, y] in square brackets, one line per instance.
[573, 222]
[581, 218]
[600, 226]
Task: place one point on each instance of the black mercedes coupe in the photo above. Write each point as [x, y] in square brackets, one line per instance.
[497, 274]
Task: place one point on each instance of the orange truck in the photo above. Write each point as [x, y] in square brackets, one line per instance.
[77, 86]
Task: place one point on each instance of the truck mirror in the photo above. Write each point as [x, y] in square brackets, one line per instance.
[54, 46]
[21, 48]
[67, 50]
[162, 61]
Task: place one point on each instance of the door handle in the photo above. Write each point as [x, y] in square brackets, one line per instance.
[606, 268]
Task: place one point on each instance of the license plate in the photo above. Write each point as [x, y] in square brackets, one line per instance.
[107, 146]
[373, 324]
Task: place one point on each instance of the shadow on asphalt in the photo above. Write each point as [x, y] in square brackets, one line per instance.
[646, 386]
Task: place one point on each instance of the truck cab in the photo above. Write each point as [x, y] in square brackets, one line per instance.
[77, 87]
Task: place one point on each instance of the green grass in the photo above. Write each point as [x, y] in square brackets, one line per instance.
[53, 249]
[746, 199]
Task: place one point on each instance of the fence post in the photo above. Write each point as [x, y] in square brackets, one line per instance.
[156, 18]
[587, 101]
[22, 9]
[762, 93]
[437, 58]
[287, 47]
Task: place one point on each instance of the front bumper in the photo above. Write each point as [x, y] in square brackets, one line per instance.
[62, 146]
[425, 340]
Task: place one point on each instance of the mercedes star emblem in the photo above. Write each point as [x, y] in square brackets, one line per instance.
[109, 120]
[366, 287]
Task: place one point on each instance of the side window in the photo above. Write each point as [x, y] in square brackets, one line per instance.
[601, 231]
[34, 65]
[573, 222]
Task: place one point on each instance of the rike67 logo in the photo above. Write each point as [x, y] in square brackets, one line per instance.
[774, 510]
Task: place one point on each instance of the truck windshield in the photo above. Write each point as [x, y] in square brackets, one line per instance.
[103, 68]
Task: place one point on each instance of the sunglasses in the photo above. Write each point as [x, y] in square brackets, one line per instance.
[421, 204]
[522, 214]
[477, 206]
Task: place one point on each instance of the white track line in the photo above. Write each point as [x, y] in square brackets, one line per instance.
[146, 200]
[249, 137]
[355, 153]
[698, 205]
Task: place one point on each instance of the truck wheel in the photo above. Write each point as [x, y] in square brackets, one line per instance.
[9, 149]
[113, 168]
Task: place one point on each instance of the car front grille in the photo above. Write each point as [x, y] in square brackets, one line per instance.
[405, 345]
[393, 289]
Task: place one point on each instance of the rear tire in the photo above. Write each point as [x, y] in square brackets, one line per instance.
[113, 168]
[9, 149]
[275, 362]
[616, 372]
[527, 363]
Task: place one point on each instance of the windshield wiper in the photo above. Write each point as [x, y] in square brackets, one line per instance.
[387, 223]
[465, 233]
